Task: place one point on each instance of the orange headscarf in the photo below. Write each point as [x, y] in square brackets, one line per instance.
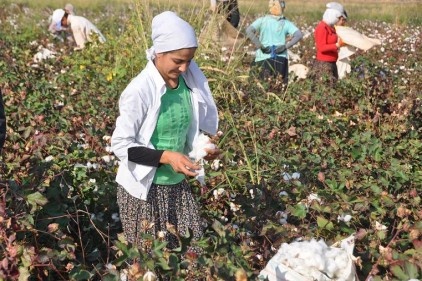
[276, 7]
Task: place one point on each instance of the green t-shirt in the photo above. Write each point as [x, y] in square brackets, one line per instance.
[172, 128]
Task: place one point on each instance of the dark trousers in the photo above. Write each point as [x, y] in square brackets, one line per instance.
[273, 67]
[231, 10]
[324, 71]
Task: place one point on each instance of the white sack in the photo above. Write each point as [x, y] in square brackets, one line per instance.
[354, 38]
[312, 260]
[354, 41]
[300, 70]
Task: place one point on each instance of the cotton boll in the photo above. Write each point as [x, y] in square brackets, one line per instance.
[295, 176]
[216, 164]
[149, 276]
[200, 144]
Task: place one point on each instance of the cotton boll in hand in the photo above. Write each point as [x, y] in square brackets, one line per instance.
[199, 147]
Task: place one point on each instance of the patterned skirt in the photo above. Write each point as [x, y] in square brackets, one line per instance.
[324, 71]
[169, 209]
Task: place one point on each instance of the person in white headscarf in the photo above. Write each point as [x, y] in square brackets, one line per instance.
[82, 29]
[327, 42]
[162, 112]
[59, 32]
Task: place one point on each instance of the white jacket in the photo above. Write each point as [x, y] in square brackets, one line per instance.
[139, 107]
[82, 29]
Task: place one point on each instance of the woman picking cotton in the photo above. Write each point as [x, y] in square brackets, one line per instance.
[82, 29]
[162, 112]
[327, 42]
[269, 35]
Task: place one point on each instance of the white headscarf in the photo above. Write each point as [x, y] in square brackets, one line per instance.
[331, 16]
[69, 9]
[337, 6]
[170, 33]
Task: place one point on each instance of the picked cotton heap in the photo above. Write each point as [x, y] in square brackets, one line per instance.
[312, 260]
[199, 146]
[43, 54]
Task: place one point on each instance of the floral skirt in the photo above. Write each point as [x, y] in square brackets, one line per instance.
[168, 210]
[324, 71]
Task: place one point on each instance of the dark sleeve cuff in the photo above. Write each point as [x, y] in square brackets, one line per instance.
[144, 156]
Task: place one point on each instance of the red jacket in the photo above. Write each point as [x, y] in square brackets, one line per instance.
[325, 42]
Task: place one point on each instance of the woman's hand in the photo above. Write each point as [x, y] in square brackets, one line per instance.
[214, 153]
[180, 163]
[340, 43]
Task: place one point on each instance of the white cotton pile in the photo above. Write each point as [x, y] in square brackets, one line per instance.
[43, 54]
[312, 260]
[199, 146]
[292, 56]
[300, 70]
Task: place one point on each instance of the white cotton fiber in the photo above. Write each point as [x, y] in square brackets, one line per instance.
[199, 146]
[311, 260]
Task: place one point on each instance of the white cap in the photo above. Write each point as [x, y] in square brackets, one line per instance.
[338, 7]
[57, 16]
[69, 8]
[169, 33]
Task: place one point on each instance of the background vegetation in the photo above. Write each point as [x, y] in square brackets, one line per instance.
[356, 148]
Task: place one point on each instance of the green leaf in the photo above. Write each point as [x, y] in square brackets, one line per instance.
[163, 264]
[324, 223]
[399, 273]
[36, 199]
[298, 211]
[110, 277]
[173, 261]
[24, 274]
[80, 274]
[411, 270]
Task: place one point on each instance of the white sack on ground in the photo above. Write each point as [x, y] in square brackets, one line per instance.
[300, 70]
[312, 260]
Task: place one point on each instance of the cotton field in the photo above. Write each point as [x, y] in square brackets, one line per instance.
[315, 182]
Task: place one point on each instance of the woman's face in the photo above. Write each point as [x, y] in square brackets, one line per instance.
[341, 21]
[172, 64]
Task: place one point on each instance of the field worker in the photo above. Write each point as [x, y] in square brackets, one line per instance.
[327, 42]
[57, 30]
[229, 8]
[82, 29]
[2, 123]
[269, 34]
[162, 111]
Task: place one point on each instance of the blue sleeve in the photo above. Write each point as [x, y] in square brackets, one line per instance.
[257, 24]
